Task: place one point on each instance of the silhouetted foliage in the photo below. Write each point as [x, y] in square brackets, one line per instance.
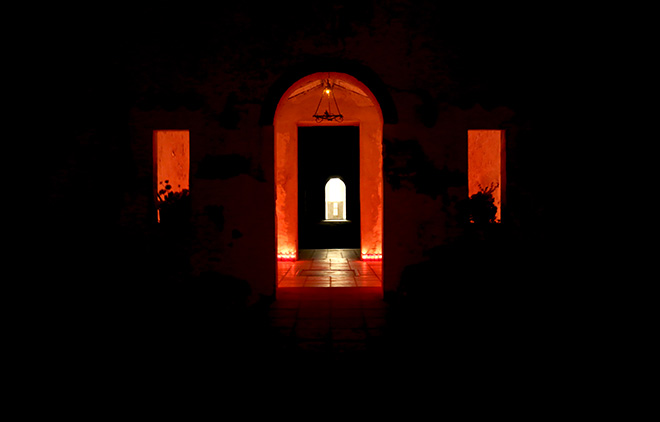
[173, 206]
[480, 208]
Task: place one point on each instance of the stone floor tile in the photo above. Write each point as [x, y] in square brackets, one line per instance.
[367, 283]
[292, 283]
[346, 313]
[311, 333]
[375, 322]
[350, 334]
[307, 313]
[343, 283]
[346, 323]
[317, 284]
[339, 310]
[317, 304]
[346, 303]
[283, 322]
[313, 346]
[283, 312]
[349, 347]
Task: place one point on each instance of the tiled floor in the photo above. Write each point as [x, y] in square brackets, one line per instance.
[329, 319]
[330, 268]
[313, 311]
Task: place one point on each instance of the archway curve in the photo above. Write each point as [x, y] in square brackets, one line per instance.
[310, 66]
[361, 108]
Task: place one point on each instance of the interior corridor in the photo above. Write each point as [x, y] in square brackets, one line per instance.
[329, 268]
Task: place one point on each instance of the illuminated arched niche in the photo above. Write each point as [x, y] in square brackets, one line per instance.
[359, 108]
[335, 199]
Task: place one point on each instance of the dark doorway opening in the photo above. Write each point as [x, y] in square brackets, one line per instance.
[326, 152]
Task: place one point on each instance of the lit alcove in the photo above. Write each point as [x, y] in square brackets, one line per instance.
[171, 161]
[487, 166]
[335, 200]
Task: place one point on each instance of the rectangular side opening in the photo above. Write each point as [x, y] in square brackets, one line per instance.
[486, 165]
[171, 155]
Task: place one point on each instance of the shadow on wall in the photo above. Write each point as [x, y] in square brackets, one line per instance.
[405, 165]
[223, 167]
[485, 284]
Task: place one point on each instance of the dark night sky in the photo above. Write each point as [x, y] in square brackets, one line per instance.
[110, 44]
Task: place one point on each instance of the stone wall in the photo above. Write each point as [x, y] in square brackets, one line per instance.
[220, 75]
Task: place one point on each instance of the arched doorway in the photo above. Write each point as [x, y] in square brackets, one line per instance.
[360, 109]
[335, 200]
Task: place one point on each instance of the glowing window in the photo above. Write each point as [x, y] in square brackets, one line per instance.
[335, 199]
[486, 165]
[171, 167]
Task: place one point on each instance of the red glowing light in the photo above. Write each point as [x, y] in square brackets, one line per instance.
[372, 257]
[487, 165]
[171, 161]
[286, 256]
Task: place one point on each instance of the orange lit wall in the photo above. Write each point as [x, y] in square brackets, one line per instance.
[486, 164]
[171, 160]
[360, 108]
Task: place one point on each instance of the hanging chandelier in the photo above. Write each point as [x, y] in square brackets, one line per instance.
[328, 91]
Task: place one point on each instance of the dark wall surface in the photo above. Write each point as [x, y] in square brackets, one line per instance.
[219, 72]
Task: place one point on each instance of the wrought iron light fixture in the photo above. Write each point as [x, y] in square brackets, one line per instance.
[328, 91]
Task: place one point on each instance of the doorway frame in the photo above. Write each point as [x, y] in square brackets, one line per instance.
[359, 221]
[292, 112]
